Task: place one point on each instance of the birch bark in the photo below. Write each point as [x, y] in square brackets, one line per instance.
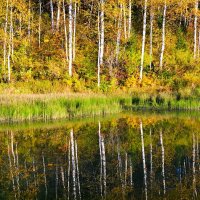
[101, 39]
[70, 38]
[52, 15]
[65, 31]
[195, 29]
[163, 36]
[129, 19]
[143, 39]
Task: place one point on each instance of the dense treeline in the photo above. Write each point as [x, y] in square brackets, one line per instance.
[154, 44]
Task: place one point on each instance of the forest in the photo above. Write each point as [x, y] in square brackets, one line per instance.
[129, 46]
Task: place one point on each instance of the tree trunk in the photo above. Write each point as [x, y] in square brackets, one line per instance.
[119, 34]
[40, 19]
[70, 38]
[129, 19]
[151, 35]
[5, 34]
[74, 38]
[195, 29]
[52, 15]
[65, 30]
[101, 39]
[125, 29]
[163, 36]
[29, 20]
[143, 39]
[58, 16]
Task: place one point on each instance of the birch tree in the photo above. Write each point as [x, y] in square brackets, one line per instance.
[125, 27]
[65, 31]
[130, 19]
[151, 34]
[70, 38]
[52, 15]
[74, 31]
[29, 20]
[163, 36]
[119, 33]
[143, 39]
[40, 19]
[58, 15]
[101, 38]
[195, 28]
[5, 34]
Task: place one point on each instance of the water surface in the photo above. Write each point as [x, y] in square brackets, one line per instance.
[127, 156]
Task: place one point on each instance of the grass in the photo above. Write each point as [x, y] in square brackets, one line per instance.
[165, 102]
[68, 106]
[57, 106]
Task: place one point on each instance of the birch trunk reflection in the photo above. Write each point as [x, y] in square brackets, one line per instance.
[143, 159]
[163, 161]
[103, 163]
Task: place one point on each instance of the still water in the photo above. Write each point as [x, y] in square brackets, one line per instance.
[127, 156]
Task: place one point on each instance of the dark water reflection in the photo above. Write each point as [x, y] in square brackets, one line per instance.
[124, 157]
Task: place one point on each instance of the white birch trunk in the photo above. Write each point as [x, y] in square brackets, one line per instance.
[58, 16]
[195, 29]
[70, 38]
[74, 33]
[125, 28]
[40, 20]
[101, 39]
[52, 15]
[65, 30]
[99, 49]
[5, 34]
[163, 36]
[151, 35]
[130, 19]
[12, 30]
[143, 39]
[119, 34]
[29, 20]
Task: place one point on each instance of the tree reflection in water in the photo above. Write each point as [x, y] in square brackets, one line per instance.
[130, 157]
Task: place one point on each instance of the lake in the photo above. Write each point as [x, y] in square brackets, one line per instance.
[122, 156]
